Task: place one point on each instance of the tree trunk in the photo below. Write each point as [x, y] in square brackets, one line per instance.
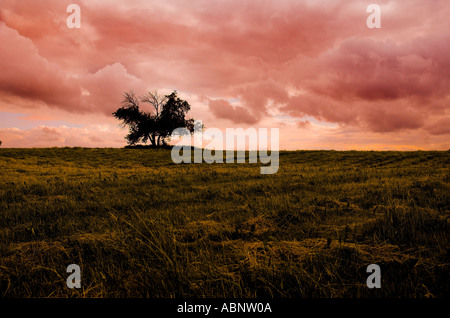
[152, 139]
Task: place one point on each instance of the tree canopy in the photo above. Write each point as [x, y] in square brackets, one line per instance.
[168, 113]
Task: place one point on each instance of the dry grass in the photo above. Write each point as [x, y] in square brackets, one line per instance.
[140, 226]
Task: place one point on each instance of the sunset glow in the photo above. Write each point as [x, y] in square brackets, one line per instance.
[313, 69]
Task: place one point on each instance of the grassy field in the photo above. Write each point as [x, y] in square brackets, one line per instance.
[140, 226]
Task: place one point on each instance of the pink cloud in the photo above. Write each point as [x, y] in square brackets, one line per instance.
[237, 114]
[291, 58]
[439, 127]
[28, 75]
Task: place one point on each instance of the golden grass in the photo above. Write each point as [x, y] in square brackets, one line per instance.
[140, 226]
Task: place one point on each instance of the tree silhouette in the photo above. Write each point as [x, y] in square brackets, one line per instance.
[169, 113]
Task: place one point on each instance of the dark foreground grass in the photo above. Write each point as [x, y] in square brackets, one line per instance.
[140, 226]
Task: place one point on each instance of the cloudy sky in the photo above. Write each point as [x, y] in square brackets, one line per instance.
[313, 69]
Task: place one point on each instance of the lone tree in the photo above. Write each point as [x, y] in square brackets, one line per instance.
[169, 113]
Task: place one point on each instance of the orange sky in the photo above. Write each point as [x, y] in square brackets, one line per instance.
[311, 68]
